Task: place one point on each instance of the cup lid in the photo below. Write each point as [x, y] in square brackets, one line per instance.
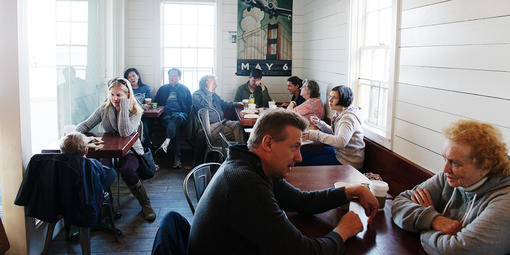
[379, 185]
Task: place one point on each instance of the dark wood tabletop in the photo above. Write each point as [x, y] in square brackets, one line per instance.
[381, 236]
[244, 122]
[114, 146]
[153, 112]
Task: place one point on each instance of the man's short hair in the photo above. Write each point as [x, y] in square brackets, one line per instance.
[488, 151]
[73, 143]
[202, 84]
[296, 81]
[256, 73]
[175, 69]
[273, 122]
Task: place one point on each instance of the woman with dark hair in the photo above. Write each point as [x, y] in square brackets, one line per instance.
[121, 114]
[313, 105]
[141, 91]
[344, 136]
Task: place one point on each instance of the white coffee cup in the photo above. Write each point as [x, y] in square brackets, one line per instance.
[379, 189]
[252, 106]
[272, 106]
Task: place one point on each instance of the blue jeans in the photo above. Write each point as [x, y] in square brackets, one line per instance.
[324, 157]
[147, 122]
[172, 235]
[173, 123]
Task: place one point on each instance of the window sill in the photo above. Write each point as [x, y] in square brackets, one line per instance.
[377, 136]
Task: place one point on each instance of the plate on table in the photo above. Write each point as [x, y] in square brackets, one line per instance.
[251, 116]
[249, 111]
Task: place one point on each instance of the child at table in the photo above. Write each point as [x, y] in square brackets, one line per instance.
[75, 143]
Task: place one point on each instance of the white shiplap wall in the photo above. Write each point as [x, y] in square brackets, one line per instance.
[142, 40]
[143, 46]
[326, 43]
[454, 64]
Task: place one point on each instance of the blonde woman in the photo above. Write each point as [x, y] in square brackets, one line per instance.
[121, 114]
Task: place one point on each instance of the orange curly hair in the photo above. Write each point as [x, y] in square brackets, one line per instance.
[488, 151]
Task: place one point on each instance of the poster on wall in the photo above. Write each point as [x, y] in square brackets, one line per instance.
[264, 37]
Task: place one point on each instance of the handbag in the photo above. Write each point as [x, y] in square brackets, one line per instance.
[146, 165]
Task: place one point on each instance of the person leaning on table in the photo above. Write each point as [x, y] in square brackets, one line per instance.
[242, 209]
[254, 87]
[344, 138]
[121, 114]
[464, 208]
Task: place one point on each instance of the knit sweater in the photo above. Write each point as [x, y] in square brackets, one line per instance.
[124, 123]
[242, 212]
[346, 138]
[487, 224]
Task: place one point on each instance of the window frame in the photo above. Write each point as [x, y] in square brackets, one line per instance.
[355, 38]
[196, 69]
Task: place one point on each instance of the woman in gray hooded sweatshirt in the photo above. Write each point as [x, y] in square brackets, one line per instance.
[464, 209]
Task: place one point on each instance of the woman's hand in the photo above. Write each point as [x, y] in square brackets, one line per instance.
[314, 120]
[291, 106]
[305, 135]
[422, 197]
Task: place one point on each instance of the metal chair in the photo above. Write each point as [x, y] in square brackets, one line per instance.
[202, 175]
[204, 118]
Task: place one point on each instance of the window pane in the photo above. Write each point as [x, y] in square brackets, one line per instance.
[189, 14]
[78, 56]
[189, 36]
[62, 11]
[79, 11]
[172, 57]
[206, 15]
[172, 36]
[79, 33]
[63, 33]
[205, 36]
[172, 13]
[62, 55]
[205, 57]
[189, 57]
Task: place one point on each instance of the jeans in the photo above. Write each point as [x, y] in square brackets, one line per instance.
[324, 157]
[172, 235]
[173, 123]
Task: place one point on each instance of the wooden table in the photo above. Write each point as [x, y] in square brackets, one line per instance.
[244, 122]
[114, 146]
[153, 112]
[381, 237]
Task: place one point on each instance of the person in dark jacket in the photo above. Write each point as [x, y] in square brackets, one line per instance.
[177, 101]
[206, 97]
[242, 209]
[254, 87]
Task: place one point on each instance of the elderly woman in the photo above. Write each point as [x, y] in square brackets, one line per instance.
[313, 105]
[121, 114]
[464, 208]
[344, 137]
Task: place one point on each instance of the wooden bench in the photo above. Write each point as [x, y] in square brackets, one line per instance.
[400, 173]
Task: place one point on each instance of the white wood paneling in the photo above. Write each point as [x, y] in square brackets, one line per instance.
[427, 138]
[411, 4]
[480, 31]
[493, 84]
[464, 105]
[453, 11]
[419, 155]
[481, 57]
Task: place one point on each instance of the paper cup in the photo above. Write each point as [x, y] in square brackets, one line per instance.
[252, 106]
[379, 189]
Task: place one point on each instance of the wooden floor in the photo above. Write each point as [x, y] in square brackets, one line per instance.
[166, 194]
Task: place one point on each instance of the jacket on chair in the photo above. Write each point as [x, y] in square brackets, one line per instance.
[62, 185]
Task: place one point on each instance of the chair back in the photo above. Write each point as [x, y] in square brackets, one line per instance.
[204, 118]
[202, 175]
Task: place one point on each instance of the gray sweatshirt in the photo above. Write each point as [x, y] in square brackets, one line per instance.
[346, 138]
[124, 124]
[484, 209]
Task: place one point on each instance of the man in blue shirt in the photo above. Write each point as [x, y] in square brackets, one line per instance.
[177, 101]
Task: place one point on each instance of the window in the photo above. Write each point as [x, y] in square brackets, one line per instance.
[373, 32]
[188, 40]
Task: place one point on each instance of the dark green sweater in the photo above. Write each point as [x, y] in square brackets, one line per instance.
[261, 97]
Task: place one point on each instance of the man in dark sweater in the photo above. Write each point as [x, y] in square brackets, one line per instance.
[242, 209]
[254, 87]
[177, 101]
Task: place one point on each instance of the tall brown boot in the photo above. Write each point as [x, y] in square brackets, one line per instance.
[139, 192]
